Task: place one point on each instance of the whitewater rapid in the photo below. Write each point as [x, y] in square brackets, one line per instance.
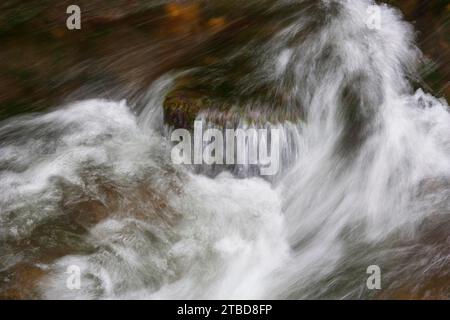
[368, 163]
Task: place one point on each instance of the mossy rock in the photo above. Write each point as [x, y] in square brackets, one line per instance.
[182, 107]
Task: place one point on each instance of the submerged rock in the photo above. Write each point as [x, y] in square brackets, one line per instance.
[182, 107]
[21, 282]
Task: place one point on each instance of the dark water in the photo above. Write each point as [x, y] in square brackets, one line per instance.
[90, 183]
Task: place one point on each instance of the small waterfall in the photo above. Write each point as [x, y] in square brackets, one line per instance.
[256, 138]
[365, 173]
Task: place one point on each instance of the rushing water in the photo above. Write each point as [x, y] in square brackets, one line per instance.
[365, 181]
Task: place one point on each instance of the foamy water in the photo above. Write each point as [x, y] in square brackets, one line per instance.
[366, 166]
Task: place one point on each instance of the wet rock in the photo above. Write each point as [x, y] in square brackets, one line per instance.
[185, 104]
[20, 284]
[430, 281]
[184, 18]
[217, 24]
[181, 108]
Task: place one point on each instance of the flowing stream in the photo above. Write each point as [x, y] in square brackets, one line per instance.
[365, 181]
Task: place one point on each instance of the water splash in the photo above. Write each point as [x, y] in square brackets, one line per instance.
[364, 171]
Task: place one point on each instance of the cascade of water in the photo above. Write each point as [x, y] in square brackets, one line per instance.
[366, 166]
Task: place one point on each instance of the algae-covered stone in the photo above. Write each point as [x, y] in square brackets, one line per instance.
[181, 108]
